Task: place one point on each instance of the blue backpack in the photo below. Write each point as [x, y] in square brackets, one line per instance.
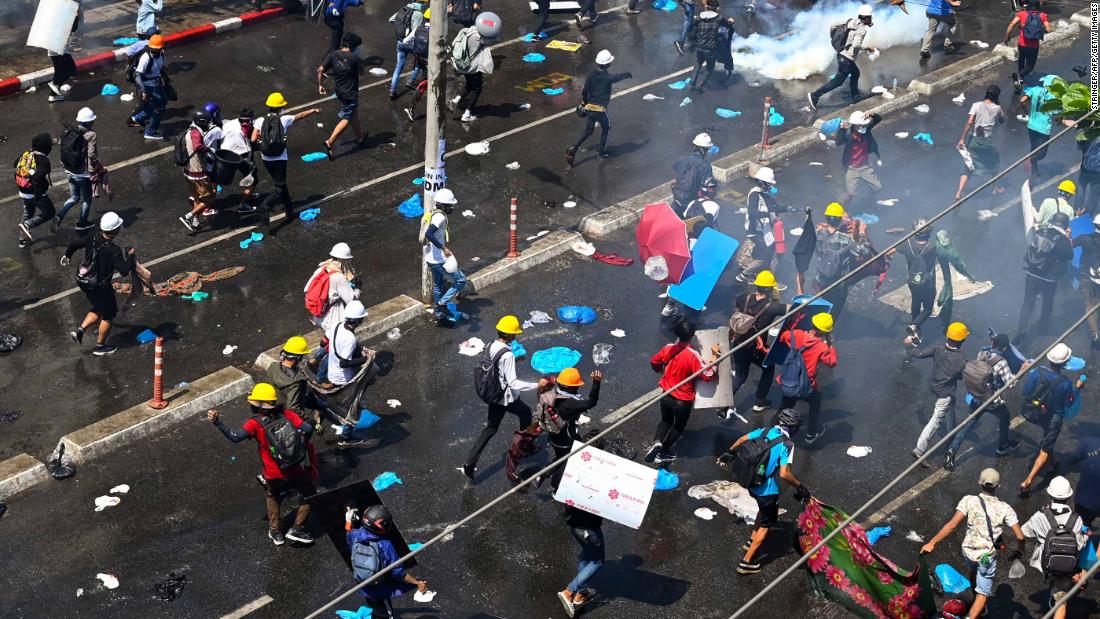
[1033, 29]
[794, 379]
[366, 560]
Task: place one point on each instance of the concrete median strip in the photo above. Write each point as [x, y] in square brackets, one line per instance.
[19, 473]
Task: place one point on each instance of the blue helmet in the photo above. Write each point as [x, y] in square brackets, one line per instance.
[214, 110]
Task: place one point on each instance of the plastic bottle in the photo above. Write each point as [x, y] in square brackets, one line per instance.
[895, 84]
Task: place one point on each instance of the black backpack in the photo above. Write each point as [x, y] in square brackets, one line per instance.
[838, 36]
[1059, 555]
[180, 156]
[1040, 246]
[420, 41]
[285, 443]
[487, 377]
[402, 22]
[87, 273]
[749, 466]
[1036, 405]
[833, 263]
[74, 149]
[684, 184]
[462, 11]
[131, 65]
[272, 136]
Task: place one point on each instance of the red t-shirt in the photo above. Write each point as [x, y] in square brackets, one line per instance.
[1022, 16]
[814, 351]
[271, 469]
[860, 150]
[680, 361]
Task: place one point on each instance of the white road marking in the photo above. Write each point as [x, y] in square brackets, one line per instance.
[257, 603]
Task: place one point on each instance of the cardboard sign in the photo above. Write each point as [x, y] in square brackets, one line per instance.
[607, 485]
[717, 393]
[565, 46]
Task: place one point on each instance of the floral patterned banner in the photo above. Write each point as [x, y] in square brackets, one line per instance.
[849, 571]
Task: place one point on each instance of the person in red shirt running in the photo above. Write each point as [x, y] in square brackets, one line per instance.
[816, 349]
[277, 480]
[1028, 44]
[677, 362]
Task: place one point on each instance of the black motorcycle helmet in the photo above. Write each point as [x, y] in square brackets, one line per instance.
[921, 229]
[1060, 220]
[202, 118]
[378, 519]
[790, 419]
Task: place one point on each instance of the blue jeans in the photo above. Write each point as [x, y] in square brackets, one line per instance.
[591, 558]
[689, 22]
[153, 109]
[439, 280]
[983, 576]
[403, 52]
[80, 190]
[844, 69]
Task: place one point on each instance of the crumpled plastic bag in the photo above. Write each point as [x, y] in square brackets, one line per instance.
[686, 102]
[413, 207]
[952, 580]
[471, 347]
[553, 91]
[425, 597]
[476, 148]
[705, 513]
[877, 533]
[922, 108]
[775, 119]
[309, 214]
[656, 268]
[651, 97]
[109, 90]
[680, 85]
[618, 333]
[533, 57]
[730, 495]
[577, 314]
[60, 465]
[109, 581]
[385, 480]
[664, 5]
[518, 351]
[540, 317]
[666, 480]
[311, 157]
[378, 71]
[829, 127]
[554, 360]
[103, 502]
[169, 589]
[726, 113]
[857, 451]
[362, 613]
[366, 420]
[924, 137]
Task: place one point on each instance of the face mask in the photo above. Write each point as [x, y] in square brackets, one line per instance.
[257, 409]
[862, 129]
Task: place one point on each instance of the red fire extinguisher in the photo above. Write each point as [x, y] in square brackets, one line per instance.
[780, 238]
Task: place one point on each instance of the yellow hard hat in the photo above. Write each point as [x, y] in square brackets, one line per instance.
[570, 377]
[765, 279]
[296, 346]
[1068, 186]
[823, 322]
[263, 392]
[957, 331]
[510, 325]
[427, 14]
[276, 99]
[834, 210]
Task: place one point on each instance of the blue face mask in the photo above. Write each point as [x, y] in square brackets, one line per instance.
[862, 129]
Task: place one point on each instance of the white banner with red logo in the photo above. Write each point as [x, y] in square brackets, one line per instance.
[607, 485]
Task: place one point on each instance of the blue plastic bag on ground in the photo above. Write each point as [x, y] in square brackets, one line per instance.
[680, 85]
[877, 533]
[553, 91]
[952, 581]
[924, 137]
[413, 207]
[664, 5]
[577, 314]
[146, 336]
[775, 118]
[666, 480]
[311, 157]
[363, 613]
[109, 90]
[309, 214]
[385, 480]
[366, 419]
[726, 113]
[554, 360]
[533, 57]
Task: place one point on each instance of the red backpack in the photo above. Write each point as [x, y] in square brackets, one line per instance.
[317, 293]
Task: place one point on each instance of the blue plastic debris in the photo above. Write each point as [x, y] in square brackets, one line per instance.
[529, 37]
[680, 85]
[196, 297]
[109, 90]
[125, 41]
[146, 336]
[554, 360]
[664, 5]
[952, 581]
[867, 218]
[366, 419]
[830, 126]
[579, 314]
[413, 207]
[385, 480]
[877, 533]
[666, 480]
[362, 613]
[713, 150]
[686, 102]
[533, 57]
[518, 351]
[726, 113]
[256, 237]
[553, 91]
[773, 190]
[418, 180]
[924, 137]
[1075, 364]
[310, 157]
[774, 118]
[415, 546]
[309, 214]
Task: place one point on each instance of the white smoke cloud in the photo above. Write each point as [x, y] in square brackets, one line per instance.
[807, 51]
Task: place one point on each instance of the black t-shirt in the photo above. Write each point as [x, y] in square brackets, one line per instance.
[765, 316]
[1090, 255]
[344, 69]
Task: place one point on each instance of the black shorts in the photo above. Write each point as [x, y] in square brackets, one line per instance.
[769, 510]
[103, 301]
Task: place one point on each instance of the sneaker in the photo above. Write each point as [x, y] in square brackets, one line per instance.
[761, 406]
[725, 415]
[24, 243]
[260, 480]
[1008, 447]
[812, 100]
[453, 102]
[104, 349]
[679, 47]
[300, 536]
[912, 331]
[567, 603]
[154, 136]
[653, 450]
[595, 18]
[467, 117]
[570, 154]
[55, 226]
[949, 460]
[468, 471]
[747, 568]
[632, 11]
[579, 18]
[668, 310]
[409, 114]
[77, 335]
[55, 98]
[277, 537]
[130, 122]
[328, 150]
[665, 457]
[925, 55]
[188, 223]
[810, 438]
[25, 230]
[350, 440]
[209, 212]
[394, 95]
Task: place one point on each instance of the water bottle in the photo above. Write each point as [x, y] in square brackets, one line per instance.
[895, 84]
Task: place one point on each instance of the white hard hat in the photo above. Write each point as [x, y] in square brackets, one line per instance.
[765, 174]
[1096, 220]
[355, 310]
[711, 208]
[864, 10]
[703, 140]
[858, 117]
[341, 251]
[110, 221]
[445, 196]
[604, 57]
[1059, 354]
[85, 115]
[708, 15]
[1059, 489]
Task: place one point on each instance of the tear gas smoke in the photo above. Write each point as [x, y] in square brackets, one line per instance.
[807, 51]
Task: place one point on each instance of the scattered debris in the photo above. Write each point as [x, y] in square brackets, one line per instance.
[651, 97]
[980, 44]
[730, 495]
[424, 597]
[60, 465]
[569, 204]
[524, 106]
[126, 98]
[79, 592]
[378, 71]
[680, 85]
[477, 148]
[109, 90]
[887, 202]
[103, 502]
[228, 350]
[922, 108]
[951, 580]
[412, 208]
[583, 419]
[146, 336]
[471, 347]
[877, 533]
[579, 314]
[913, 536]
[1023, 118]
[775, 119]
[565, 46]
[393, 403]
[394, 333]
[584, 248]
[959, 100]
[540, 233]
[553, 91]
[385, 480]
[309, 214]
[468, 214]
[816, 163]
[120, 489]
[706, 513]
[726, 113]
[169, 589]
[666, 480]
[601, 354]
[618, 333]
[539, 317]
[533, 57]
[512, 166]
[268, 69]
[109, 581]
[686, 102]
[924, 137]
[311, 157]
[9, 416]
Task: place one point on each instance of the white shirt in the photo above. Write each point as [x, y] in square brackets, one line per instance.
[212, 140]
[342, 342]
[508, 380]
[432, 254]
[340, 293]
[1038, 527]
[234, 139]
[287, 120]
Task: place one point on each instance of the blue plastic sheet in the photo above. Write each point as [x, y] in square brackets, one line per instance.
[664, 5]
[362, 613]
[726, 113]
[255, 237]
[418, 180]
[385, 480]
[146, 336]
[924, 137]
[518, 351]
[577, 314]
[775, 118]
[877, 533]
[366, 419]
[680, 85]
[666, 480]
[554, 360]
[952, 581]
[830, 126]
[533, 57]
[413, 207]
[713, 150]
[415, 546]
[309, 214]
[553, 91]
[125, 41]
[109, 90]
[311, 157]
[867, 218]
[709, 257]
[196, 297]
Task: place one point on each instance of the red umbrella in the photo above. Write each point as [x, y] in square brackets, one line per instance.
[662, 233]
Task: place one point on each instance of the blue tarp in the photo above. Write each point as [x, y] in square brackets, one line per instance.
[709, 257]
[577, 314]
[554, 360]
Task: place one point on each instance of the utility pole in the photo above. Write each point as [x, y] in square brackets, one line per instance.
[435, 142]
